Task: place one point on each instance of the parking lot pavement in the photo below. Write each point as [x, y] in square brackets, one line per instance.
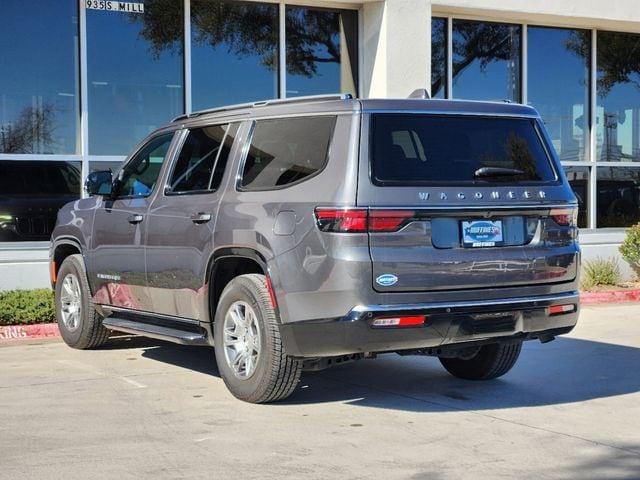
[146, 409]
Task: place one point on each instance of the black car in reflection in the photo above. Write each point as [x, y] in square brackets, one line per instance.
[31, 193]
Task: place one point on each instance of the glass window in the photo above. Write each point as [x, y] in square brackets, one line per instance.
[486, 60]
[101, 165]
[39, 82]
[135, 78]
[202, 160]
[438, 57]
[618, 98]
[32, 194]
[322, 51]
[578, 178]
[417, 149]
[285, 151]
[618, 197]
[140, 175]
[234, 52]
[559, 86]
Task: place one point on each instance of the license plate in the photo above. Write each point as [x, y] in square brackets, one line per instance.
[482, 233]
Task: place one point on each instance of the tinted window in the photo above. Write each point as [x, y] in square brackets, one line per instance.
[39, 81]
[286, 150]
[486, 60]
[618, 98]
[438, 57]
[618, 200]
[578, 178]
[234, 52]
[559, 86]
[31, 193]
[134, 74]
[205, 150]
[415, 149]
[140, 175]
[322, 51]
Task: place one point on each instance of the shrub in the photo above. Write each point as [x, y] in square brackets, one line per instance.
[630, 248]
[601, 271]
[26, 306]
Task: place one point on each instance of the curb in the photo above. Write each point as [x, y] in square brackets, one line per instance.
[611, 296]
[11, 333]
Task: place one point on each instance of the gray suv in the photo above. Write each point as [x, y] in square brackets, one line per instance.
[298, 234]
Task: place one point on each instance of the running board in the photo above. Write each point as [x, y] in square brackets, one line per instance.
[155, 331]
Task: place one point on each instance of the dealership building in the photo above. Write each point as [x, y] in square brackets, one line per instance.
[82, 81]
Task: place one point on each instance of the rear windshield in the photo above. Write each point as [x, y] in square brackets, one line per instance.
[415, 149]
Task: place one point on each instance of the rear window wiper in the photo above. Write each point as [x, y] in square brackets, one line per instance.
[496, 172]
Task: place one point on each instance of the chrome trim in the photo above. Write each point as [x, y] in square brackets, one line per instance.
[462, 207]
[451, 112]
[568, 296]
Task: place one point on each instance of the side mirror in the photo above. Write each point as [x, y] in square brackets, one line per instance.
[99, 183]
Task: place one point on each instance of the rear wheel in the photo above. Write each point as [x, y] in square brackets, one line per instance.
[79, 323]
[249, 351]
[490, 361]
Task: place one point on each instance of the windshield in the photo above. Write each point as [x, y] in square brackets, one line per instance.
[418, 149]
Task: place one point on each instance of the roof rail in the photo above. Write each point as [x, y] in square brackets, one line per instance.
[264, 103]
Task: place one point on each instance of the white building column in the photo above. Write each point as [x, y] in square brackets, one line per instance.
[396, 47]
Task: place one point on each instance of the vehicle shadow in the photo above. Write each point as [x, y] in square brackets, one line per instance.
[564, 371]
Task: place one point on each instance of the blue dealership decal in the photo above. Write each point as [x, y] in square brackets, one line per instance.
[387, 280]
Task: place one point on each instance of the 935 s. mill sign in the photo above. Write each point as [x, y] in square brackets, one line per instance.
[111, 6]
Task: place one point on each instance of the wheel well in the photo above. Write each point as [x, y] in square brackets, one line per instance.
[226, 269]
[61, 252]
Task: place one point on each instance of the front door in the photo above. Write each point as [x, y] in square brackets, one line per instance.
[181, 219]
[117, 269]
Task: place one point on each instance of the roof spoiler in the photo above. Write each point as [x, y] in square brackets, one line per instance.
[420, 93]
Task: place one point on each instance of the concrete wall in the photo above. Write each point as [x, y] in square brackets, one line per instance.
[24, 266]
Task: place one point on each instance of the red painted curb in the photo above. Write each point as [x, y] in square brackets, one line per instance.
[10, 333]
[610, 296]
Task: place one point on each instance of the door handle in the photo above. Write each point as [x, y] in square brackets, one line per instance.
[200, 218]
[135, 218]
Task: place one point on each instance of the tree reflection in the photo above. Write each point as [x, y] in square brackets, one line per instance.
[245, 29]
[31, 132]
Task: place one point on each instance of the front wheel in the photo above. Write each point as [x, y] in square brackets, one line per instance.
[249, 351]
[490, 361]
[79, 323]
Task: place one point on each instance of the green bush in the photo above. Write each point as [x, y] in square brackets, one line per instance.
[630, 248]
[26, 306]
[601, 271]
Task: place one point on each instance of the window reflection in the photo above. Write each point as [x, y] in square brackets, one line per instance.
[135, 79]
[578, 178]
[438, 57]
[234, 52]
[559, 86]
[38, 84]
[32, 194]
[322, 51]
[618, 97]
[486, 60]
[618, 197]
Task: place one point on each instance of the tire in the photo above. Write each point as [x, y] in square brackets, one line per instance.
[84, 330]
[263, 373]
[491, 361]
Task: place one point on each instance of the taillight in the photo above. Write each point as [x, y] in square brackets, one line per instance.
[360, 220]
[388, 220]
[348, 220]
[565, 217]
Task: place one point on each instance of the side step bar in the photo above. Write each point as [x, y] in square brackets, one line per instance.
[155, 331]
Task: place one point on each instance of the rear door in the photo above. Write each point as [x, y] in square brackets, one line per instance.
[463, 202]
[181, 222]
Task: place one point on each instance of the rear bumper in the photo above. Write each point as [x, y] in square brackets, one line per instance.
[447, 323]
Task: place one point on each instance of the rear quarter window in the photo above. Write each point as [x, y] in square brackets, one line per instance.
[418, 149]
[286, 151]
